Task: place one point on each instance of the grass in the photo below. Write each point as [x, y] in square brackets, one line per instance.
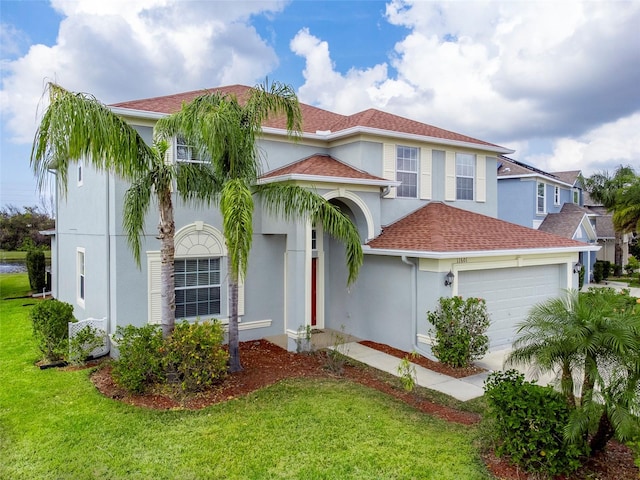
[15, 255]
[55, 425]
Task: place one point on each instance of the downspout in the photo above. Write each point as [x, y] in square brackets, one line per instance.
[108, 254]
[414, 309]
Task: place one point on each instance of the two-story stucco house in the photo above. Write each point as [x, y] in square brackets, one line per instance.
[424, 199]
[548, 202]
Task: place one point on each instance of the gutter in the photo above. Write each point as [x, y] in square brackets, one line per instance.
[367, 250]
[414, 308]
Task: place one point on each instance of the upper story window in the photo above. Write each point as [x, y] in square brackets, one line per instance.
[576, 196]
[197, 287]
[407, 171]
[540, 203]
[80, 171]
[465, 175]
[556, 195]
[186, 153]
[80, 285]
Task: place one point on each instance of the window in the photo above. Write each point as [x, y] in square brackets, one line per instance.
[465, 175]
[407, 171]
[80, 173]
[197, 287]
[540, 198]
[576, 196]
[80, 287]
[186, 153]
[556, 195]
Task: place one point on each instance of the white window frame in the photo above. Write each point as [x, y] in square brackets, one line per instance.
[414, 158]
[183, 286]
[80, 172]
[187, 151]
[81, 284]
[575, 196]
[556, 195]
[464, 162]
[543, 210]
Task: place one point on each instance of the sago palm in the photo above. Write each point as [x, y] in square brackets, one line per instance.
[224, 129]
[77, 126]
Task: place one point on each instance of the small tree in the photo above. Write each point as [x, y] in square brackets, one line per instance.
[36, 265]
[50, 320]
[632, 265]
[460, 327]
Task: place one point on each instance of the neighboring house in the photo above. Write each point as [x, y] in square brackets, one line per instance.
[549, 202]
[424, 200]
[606, 233]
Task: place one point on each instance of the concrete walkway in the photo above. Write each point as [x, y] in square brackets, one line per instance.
[461, 388]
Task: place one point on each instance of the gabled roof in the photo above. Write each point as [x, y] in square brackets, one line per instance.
[324, 168]
[315, 120]
[440, 228]
[570, 177]
[566, 222]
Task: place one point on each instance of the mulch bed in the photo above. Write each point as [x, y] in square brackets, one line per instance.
[265, 364]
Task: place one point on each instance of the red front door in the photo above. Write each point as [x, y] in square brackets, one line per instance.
[314, 268]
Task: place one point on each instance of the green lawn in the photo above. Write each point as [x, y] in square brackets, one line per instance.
[55, 425]
[14, 255]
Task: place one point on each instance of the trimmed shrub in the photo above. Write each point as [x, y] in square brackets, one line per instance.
[460, 327]
[606, 269]
[36, 265]
[194, 355]
[528, 422]
[141, 357]
[597, 272]
[50, 319]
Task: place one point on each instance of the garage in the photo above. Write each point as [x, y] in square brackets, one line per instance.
[510, 293]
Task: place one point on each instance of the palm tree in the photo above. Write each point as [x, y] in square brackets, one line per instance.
[77, 126]
[605, 189]
[224, 129]
[626, 217]
[592, 336]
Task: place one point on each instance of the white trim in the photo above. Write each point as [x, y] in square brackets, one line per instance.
[360, 203]
[245, 325]
[367, 250]
[81, 285]
[544, 198]
[426, 339]
[533, 175]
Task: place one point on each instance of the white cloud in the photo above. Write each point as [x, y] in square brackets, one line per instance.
[120, 50]
[502, 71]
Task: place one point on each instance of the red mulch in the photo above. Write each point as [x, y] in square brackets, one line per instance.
[265, 364]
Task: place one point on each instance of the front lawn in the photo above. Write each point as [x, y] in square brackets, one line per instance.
[54, 424]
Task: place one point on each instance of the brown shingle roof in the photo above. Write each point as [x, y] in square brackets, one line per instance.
[322, 166]
[565, 222]
[314, 119]
[570, 177]
[437, 227]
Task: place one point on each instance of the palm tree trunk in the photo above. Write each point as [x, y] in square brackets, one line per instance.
[234, 342]
[567, 385]
[618, 253]
[166, 233]
[602, 435]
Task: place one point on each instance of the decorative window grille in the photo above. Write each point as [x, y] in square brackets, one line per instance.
[197, 287]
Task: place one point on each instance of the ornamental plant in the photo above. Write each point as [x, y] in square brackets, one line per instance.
[50, 320]
[459, 330]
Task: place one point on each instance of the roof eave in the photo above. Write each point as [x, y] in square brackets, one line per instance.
[130, 112]
[477, 253]
[328, 179]
[328, 136]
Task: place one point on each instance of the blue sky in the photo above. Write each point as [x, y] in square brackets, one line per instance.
[556, 81]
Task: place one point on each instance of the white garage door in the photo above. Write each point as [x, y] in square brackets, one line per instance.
[510, 293]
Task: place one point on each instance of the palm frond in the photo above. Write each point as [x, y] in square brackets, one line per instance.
[77, 126]
[292, 201]
[236, 206]
[136, 204]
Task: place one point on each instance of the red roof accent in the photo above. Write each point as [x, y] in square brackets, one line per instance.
[437, 227]
[314, 119]
[322, 166]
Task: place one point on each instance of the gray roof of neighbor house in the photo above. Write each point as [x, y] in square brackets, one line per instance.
[316, 120]
[437, 227]
[508, 167]
[565, 222]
